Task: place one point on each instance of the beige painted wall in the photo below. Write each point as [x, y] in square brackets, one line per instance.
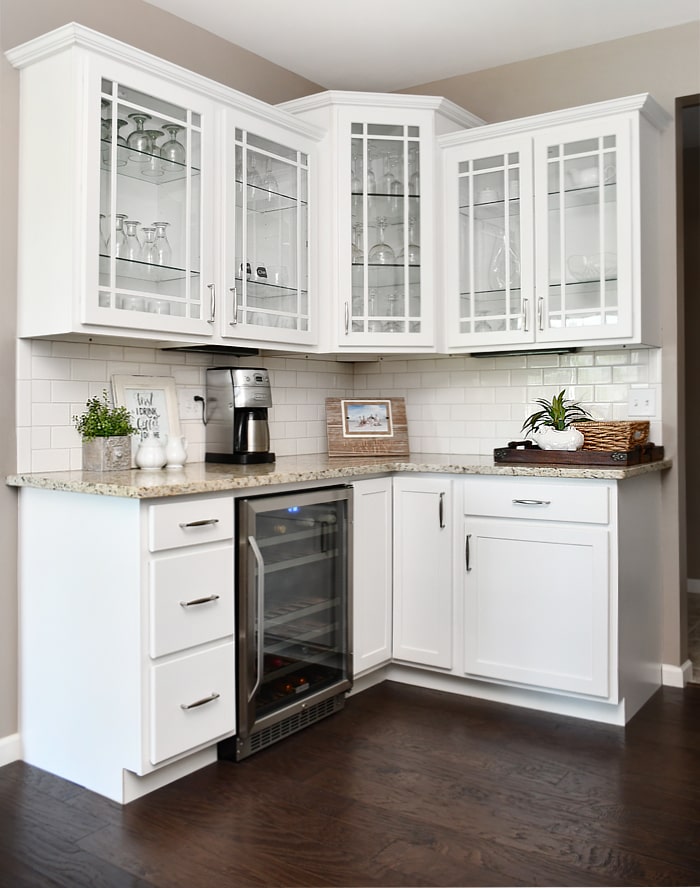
[154, 31]
[665, 63]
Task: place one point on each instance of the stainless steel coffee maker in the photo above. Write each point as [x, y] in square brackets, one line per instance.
[237, 401]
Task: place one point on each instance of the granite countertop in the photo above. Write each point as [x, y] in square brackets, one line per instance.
[209, 477]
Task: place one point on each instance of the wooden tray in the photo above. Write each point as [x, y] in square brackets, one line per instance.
[525, 452]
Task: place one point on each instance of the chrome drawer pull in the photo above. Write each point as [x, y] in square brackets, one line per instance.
[201, 702]
[199, 601]
[526, 502]
[203, 523]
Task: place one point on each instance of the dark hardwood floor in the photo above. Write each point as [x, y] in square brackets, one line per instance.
[403, 787]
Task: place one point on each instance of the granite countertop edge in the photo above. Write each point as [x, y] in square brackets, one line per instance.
[195, 478]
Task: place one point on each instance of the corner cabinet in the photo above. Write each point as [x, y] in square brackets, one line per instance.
[148, 192]
[549, 228]
[378, 241]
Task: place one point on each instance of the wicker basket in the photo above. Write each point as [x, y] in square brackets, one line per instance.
[621, 435]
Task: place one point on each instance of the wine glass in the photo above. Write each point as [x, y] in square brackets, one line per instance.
[104, 237]
[120, 235]
[357, 254]
[132, 249]
[138, 140]
[381, 253]
[412, 250]
[269, 183]
[163, 250]
[153, 168]
[148, 249]
[414, 178]
[172, 152]
[253, 178]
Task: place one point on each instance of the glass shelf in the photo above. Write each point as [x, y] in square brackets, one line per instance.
[261, 200]
[135, 169]
[262, 288]
[144, 271]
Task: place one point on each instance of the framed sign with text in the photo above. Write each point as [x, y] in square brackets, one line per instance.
[151, 402]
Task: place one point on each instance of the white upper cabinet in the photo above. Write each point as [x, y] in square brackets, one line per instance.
[145, 189]
[267, 234]
[549, 229]
[378, 242]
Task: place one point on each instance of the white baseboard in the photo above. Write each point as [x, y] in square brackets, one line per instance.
[10, 749]
[676, 676]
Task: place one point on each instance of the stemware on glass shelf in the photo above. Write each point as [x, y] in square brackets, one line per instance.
[172, 152]
[153, 168]
[163, 250]
[357, 255]
[148, 248]
[132, 250]
[269, 182]
[254, 179]
[120, 236]
[104, 237]
[381, 253]
[138, 140]
[356, 178]
[413, 249]
[414, 178]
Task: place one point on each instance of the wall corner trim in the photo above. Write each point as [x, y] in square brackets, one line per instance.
[676, 676]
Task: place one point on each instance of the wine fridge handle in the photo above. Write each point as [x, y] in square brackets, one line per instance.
[260, 595]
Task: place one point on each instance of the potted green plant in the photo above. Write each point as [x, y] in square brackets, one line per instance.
[106, 432]
[552, 427]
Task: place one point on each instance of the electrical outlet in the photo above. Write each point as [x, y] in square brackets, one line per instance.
[642, 402]
[187, 406]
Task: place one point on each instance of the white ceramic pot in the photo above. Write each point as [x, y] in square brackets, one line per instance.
[151, 453]
[548, 438]
[176, 452]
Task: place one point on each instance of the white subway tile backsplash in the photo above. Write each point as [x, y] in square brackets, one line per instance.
[455, 404]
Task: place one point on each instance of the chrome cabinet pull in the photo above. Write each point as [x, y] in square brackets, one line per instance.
[347, 318]
[203, 523]
[527, 502]
[260, 591]
[234, 322]
[212, 310]
[466, 552]
[199, 601]
[540, 313]
[441, 510]
[526, 316]
[213, 696]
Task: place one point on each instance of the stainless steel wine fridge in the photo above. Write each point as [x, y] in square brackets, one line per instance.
[293, 603]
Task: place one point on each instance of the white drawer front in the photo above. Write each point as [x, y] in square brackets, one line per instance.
[537, 500]
[201, 520]
[190, 599]
[179, 719]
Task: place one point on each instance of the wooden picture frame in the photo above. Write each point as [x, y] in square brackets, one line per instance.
[151, 402]
[366, 427]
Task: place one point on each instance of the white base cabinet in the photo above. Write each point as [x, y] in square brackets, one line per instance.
[423, 541]
[126, 637]
[372, 573]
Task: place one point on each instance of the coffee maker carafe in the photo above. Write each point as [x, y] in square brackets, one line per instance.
[237, 401]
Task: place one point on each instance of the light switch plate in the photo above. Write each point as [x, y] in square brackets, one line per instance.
[642, 402]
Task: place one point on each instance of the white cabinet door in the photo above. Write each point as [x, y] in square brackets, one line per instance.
[423, 604]
[489, 243]
[372, 573]
[583, 213]
[268, 292]
[537, 604]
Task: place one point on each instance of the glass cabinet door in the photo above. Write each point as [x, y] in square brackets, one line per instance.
[270, 290]
[386, 297]
[494, 290]
[583, 249]
[150, 224]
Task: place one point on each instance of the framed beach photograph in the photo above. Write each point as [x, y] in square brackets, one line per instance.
[151, 402]
[366, 426]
